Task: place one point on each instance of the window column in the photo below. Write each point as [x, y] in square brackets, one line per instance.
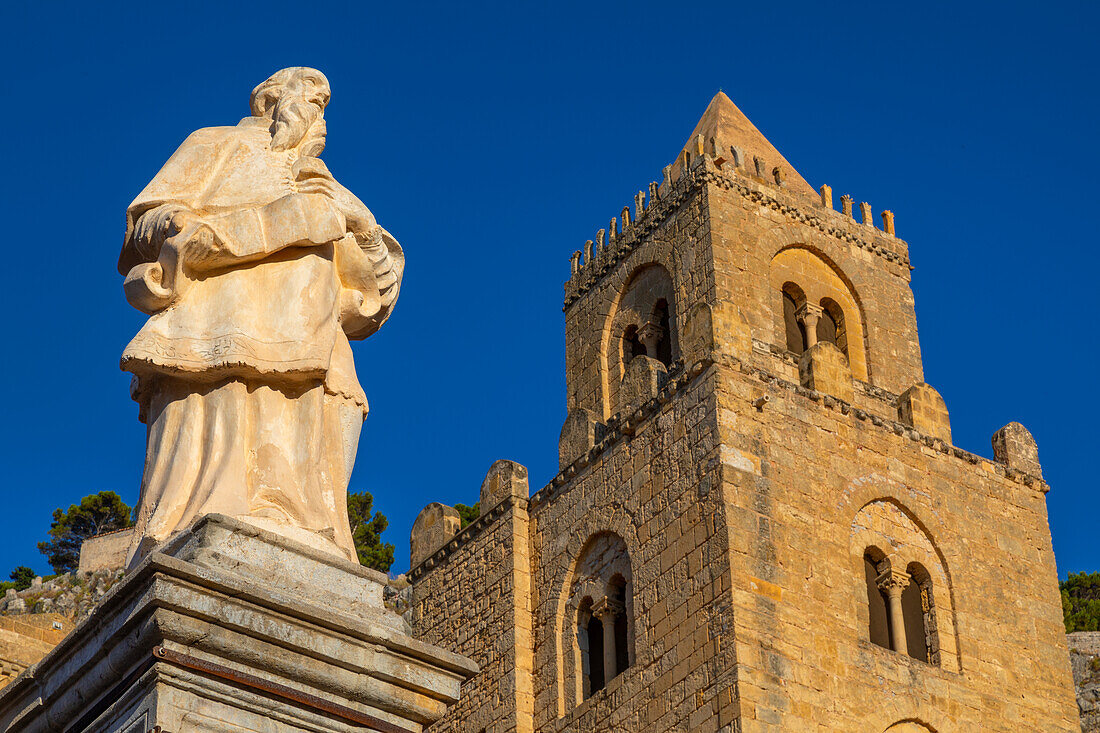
[607, 610]
[808, 315]
[650, 333]
[892, 583]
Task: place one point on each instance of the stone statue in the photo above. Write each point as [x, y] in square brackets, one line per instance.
[255, 267]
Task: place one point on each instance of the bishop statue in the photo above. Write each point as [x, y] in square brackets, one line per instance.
[255, 267]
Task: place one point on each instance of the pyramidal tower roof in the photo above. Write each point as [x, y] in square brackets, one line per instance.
[728, 126]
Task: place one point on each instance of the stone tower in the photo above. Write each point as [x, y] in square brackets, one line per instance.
[760, 521]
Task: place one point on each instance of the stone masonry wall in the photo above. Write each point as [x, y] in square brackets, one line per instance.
[752, 221]
[796, 474]
[659, 491]
[1084, 651]
[673, 232]
[472, 601]
[106, 551]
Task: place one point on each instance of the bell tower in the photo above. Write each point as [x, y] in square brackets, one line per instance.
[733, 223]
[760, 521]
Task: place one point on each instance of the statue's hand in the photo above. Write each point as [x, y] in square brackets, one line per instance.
[193, 239]
[313, 177]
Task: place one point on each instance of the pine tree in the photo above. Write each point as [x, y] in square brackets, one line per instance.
[22, 577]
[468, 513]
[95, 514]
[1081, 602]
[366, 532]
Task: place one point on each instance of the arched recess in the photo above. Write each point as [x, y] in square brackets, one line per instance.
[601, 576]
[825, 288]
[885, 527]
[646, 299]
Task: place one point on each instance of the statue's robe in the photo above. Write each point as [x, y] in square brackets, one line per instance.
[246, 382]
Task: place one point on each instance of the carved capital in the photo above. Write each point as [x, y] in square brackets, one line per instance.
[649, 333]
[607, 609]
[809, 314]
[893, 581]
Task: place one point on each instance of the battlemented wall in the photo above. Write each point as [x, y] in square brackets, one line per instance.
[736, 479]
[474, 595]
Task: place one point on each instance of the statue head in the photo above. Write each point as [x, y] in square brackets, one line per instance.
[294, 99]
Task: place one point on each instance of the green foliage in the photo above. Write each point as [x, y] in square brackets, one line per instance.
[95, 514]
[468, 513]
[366, 531]
[21, 577]
[1081, 602]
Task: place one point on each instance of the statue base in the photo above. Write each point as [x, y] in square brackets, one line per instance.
[229, 627]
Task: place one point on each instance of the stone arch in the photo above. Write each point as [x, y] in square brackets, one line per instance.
[613, 520]
[639, 296]
[794, 332]
[825, 286]
[887, 524]
[910, 726]
[600, 572]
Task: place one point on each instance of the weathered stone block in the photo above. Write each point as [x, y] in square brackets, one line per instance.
[228, 627]
[105, 551]
[505, 478]
[579, 434]
[643, 380]
[715, 330]
[922, 408]
[434, 527]
[823, 367]
[1014, 446]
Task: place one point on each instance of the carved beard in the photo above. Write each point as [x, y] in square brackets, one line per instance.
[292, 116]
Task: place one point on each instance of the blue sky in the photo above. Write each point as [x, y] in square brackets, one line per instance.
[492, 140]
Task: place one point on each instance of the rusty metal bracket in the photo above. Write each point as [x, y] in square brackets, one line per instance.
[244, 679]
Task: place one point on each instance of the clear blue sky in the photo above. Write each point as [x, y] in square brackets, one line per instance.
[492, 141]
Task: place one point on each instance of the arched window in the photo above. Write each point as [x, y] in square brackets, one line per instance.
[591, 643]
[826, 327]
[604, 635]
[815, 302]
[617, 593]
[901, 613]
[642, 321]
[664, 338]
[878, 616]
[830, 327]
[793, 299]
[919, 608]
[632, 345]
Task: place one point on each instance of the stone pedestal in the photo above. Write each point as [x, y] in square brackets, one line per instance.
[232, 628]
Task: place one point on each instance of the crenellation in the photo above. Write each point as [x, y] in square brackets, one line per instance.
[888, 222]
[1015, 447]
[434, 527]
[865, 216]
[923, 408]
[846, 205]
[738, 156]
[761, 167]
